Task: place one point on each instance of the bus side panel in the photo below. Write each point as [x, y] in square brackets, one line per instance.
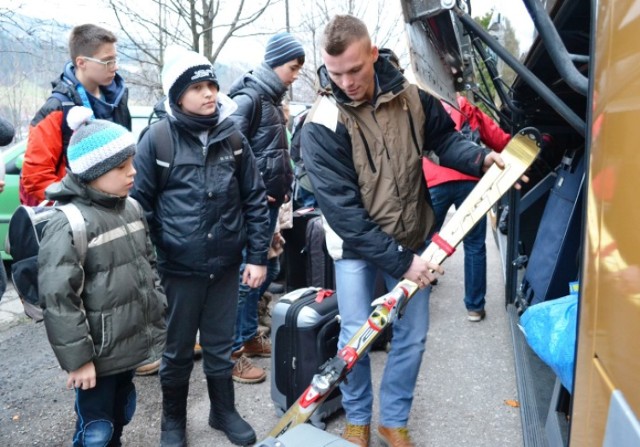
[609, 330]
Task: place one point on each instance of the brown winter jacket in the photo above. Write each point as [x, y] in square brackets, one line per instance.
[364, 161]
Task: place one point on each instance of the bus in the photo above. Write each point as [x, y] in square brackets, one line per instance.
[576, 220]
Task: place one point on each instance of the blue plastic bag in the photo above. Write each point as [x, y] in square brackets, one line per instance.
[550, 329]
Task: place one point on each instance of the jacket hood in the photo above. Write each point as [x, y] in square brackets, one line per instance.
[263, 80]
[390, 80]
[70, 188]
[113, 93]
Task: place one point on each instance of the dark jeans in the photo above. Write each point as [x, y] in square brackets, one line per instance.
[104, 410]
[199, 303]
[475, 250]
[248, 298]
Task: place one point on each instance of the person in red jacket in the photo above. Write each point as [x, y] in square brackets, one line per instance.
[89, 79]
[450, 187]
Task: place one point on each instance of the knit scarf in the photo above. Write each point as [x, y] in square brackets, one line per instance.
[196, 123]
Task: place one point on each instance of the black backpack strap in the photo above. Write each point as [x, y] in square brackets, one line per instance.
[67, 104]
[162, 143]
[236, 145]
[256, 109]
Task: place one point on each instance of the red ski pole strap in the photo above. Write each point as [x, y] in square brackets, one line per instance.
[444, 245]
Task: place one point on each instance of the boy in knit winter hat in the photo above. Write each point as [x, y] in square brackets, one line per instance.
[97, 146]
[183, 68]
[282, 48]
[283, 59]
[102, 321]
[211, 207]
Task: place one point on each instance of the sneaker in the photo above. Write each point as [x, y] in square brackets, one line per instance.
[357, 434]
[476, 315]
[197, 351]
[258, 346]
[246, 372]
[148, 369]
[395, 437]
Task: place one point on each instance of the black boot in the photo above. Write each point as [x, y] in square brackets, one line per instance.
[223, 415]
[174, 416]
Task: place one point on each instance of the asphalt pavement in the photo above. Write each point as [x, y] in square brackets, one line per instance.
[466, 393]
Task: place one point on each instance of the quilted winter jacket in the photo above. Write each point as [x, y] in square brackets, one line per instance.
[364, 161]
[44, 160]
[270, 143]
[111, 309]
[210, 208]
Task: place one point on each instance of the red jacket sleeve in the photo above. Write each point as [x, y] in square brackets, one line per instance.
[42, 160]
[490, 133]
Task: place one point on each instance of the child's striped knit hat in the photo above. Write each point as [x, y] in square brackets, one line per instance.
[96, 146]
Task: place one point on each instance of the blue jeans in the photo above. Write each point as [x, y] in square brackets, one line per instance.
[248, 298]
[104, 410]
[475, 250]
[355, 283]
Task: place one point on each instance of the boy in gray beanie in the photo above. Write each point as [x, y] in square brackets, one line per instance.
[283, 59]
[211, 207]
[102, 321]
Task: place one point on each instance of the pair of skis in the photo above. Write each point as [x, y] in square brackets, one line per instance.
[517, 156]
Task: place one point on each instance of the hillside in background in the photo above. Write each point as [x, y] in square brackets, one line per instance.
[33, 54]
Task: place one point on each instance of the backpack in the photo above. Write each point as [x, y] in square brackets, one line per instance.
[24, 236]
[301, 177]
[23, 244]
[162, 142]
[67, 104]
[256, 109]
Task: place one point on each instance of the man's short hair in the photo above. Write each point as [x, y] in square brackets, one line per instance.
[342, 31]
[85, 40]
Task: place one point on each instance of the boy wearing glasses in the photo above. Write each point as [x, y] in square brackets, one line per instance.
[90, 79]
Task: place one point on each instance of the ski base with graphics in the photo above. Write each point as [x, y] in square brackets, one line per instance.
[517, 156]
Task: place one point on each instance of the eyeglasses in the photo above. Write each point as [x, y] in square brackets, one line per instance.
[109, 65]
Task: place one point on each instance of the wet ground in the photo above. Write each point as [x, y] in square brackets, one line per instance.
[465, 396]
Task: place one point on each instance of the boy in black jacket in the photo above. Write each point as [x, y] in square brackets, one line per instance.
[266, 131]
[212, 206]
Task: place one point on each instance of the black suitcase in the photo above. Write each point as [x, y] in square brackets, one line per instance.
[555, 255]
[319, 264]
[295, 264]
[307, 261]
[304, 335]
